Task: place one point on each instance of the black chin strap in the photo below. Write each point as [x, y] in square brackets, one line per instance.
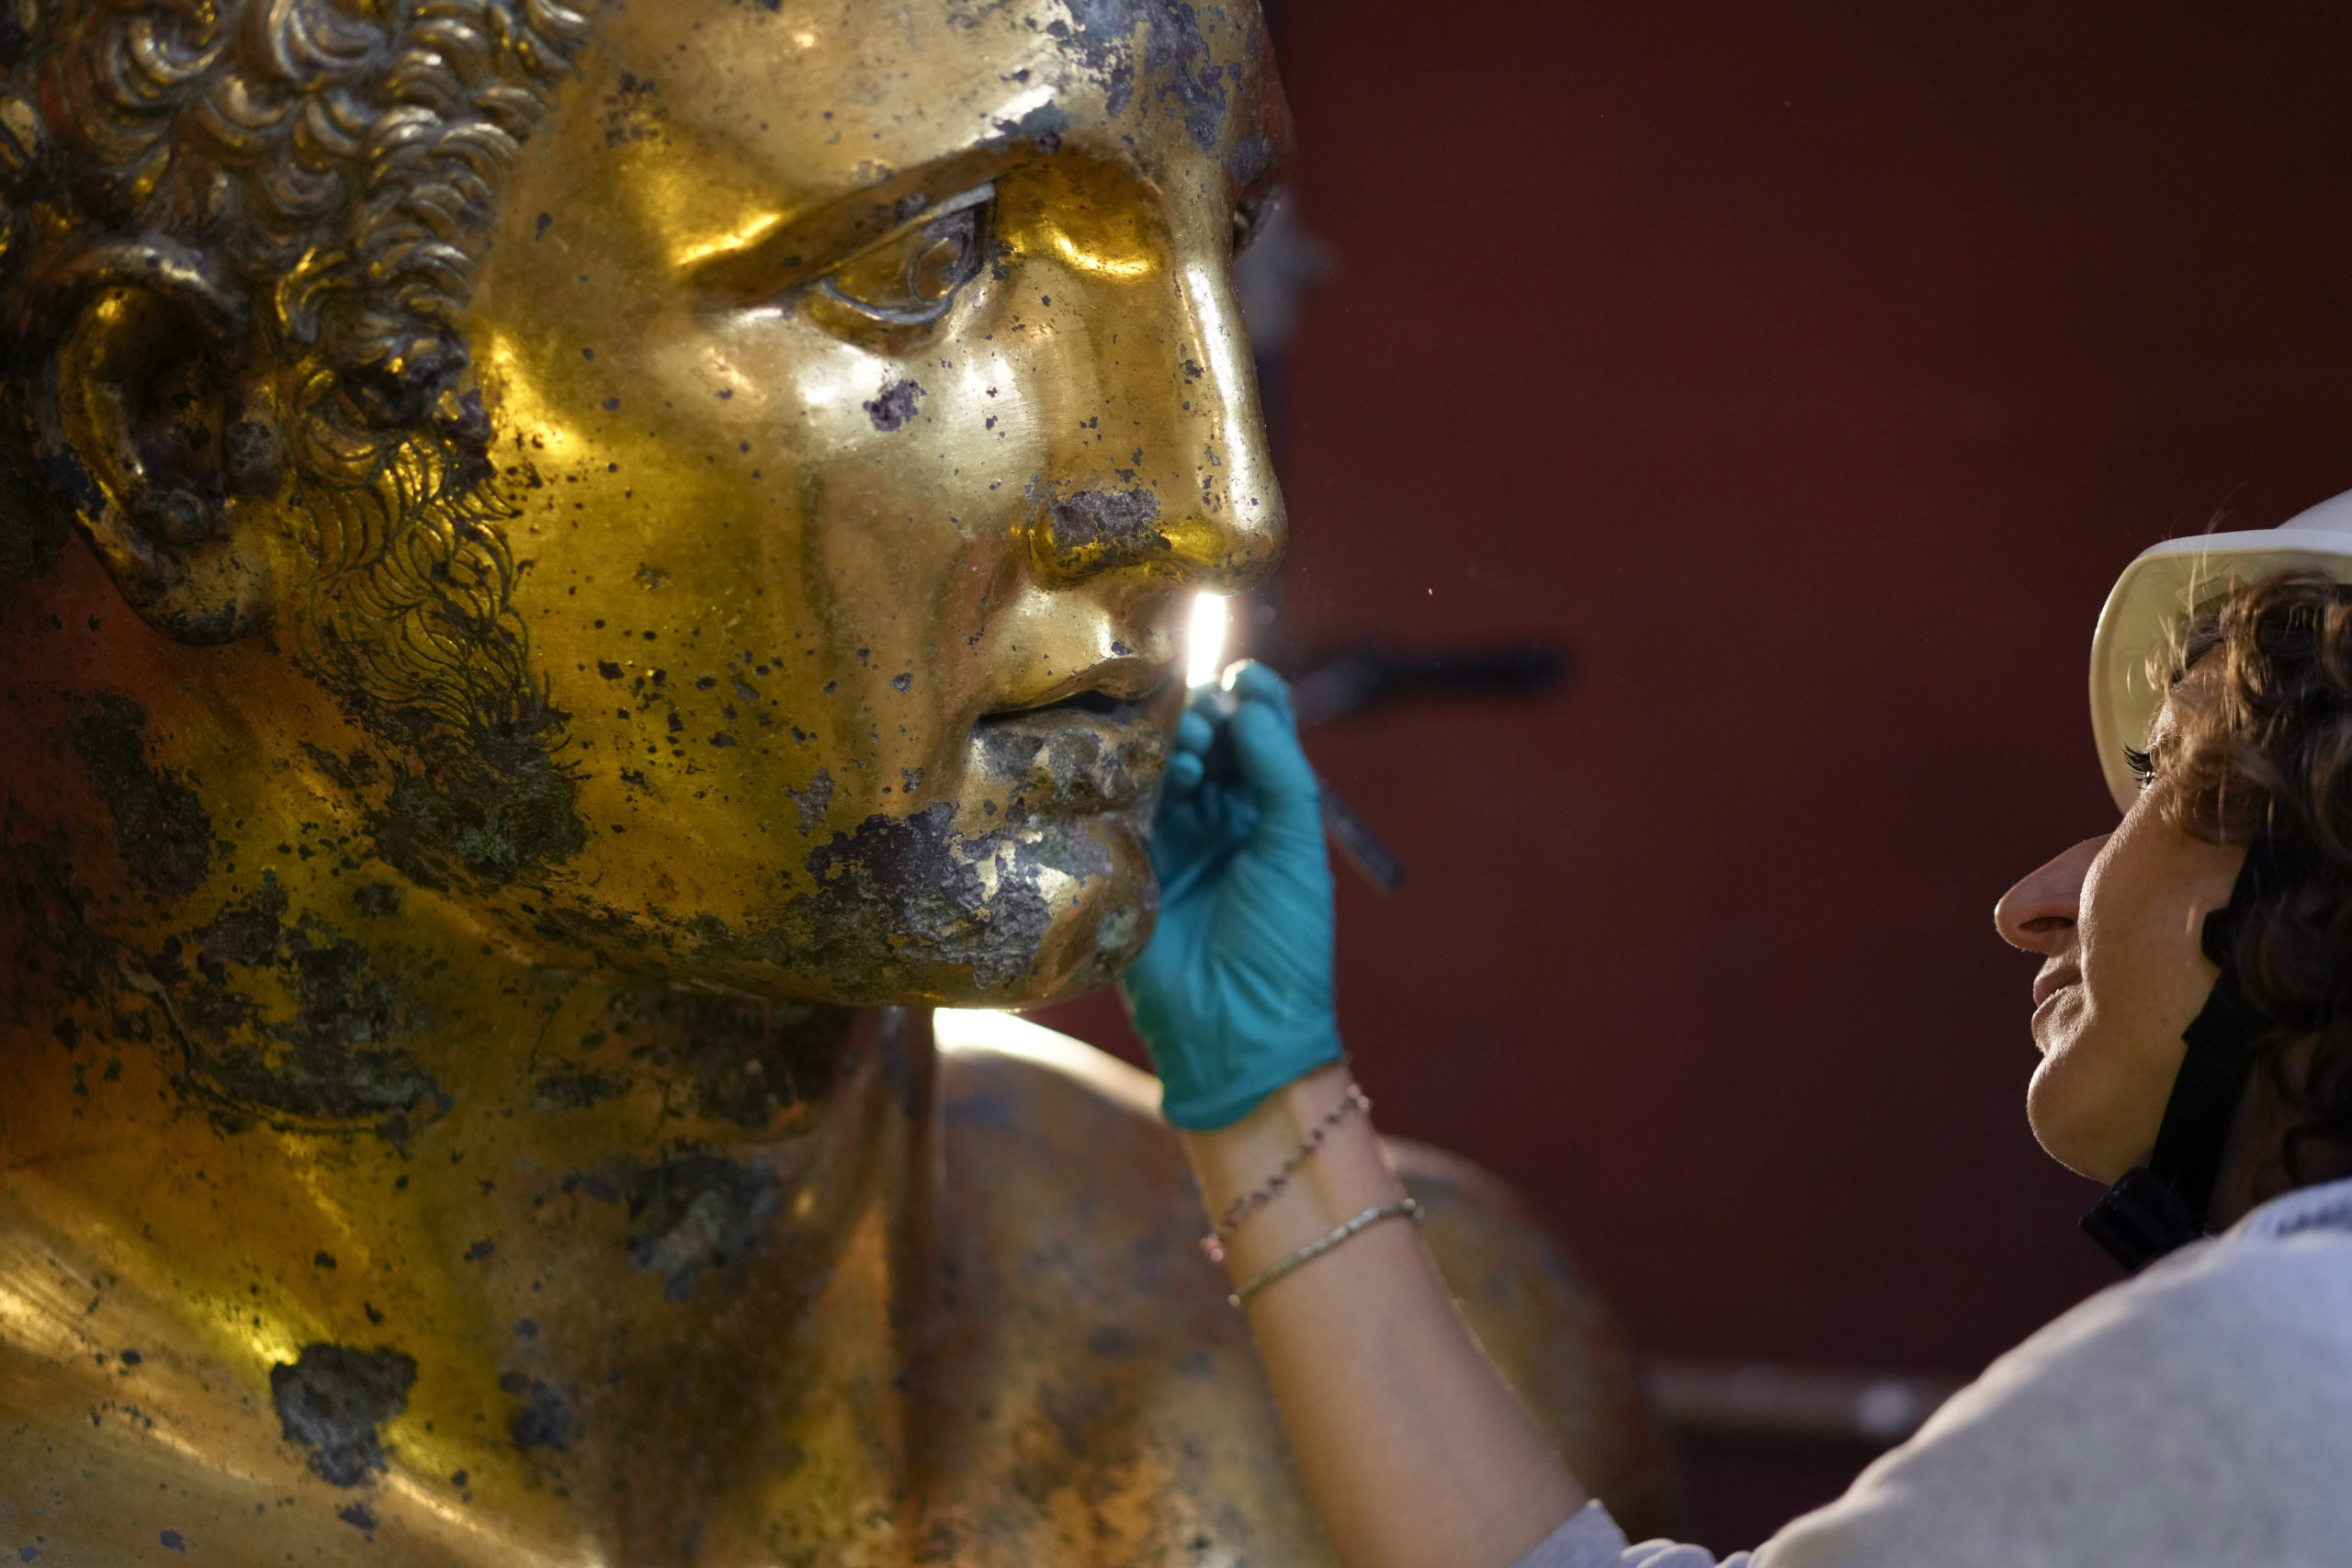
[2163, 1204]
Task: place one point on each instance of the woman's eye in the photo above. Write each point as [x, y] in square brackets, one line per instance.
[2143, 766]
[911, 278]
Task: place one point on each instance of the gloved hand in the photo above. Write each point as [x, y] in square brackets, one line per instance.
[1234, 994]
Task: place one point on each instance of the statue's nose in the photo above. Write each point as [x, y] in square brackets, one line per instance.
[1195, 498]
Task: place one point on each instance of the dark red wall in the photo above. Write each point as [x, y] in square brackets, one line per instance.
[1811, 368]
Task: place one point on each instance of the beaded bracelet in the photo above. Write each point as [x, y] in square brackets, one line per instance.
[1325, 1243]
[1354, 1103]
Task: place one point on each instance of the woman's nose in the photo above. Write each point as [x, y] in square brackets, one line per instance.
[2040, 911]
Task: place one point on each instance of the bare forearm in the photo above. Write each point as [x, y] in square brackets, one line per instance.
[1415, 1452]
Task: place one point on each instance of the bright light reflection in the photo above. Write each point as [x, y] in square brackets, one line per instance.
[1206, 657]
[758, 226]
[1108, 267]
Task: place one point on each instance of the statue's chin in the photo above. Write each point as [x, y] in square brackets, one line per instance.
[912, 911]
[1086, 948]
[1019, 945]
[1103, 937]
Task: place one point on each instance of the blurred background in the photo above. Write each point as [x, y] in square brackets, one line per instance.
[1799, 376]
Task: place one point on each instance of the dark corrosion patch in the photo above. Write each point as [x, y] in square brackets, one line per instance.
[1115, 525]
[894, 406]
[698, 1212]
[58, 939]
[497, 813]
[1175, 57]
[544, 1419]
[160, 826]
[1176, 60]
[332, 1399]
[573, 1089]
[918, 903]
[902, 902]
[740, 1059]
[332, 1059]
[1042, 127]
[915, 878]
[1101, 44]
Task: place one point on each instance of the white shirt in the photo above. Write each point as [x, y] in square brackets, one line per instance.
[2199, 1416]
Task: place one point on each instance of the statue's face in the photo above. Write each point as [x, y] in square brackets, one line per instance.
[877, 392]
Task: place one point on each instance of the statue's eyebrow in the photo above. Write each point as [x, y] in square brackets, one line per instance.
[764, 258]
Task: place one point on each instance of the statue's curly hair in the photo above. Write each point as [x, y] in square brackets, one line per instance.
[335, 164]
[2265, 749]
[338, 159]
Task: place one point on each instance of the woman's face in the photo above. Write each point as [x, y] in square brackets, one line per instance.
[2119, 920]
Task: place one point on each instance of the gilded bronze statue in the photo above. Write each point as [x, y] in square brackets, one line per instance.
[571, 570]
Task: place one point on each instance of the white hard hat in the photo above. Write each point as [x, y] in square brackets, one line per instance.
[2166, 583]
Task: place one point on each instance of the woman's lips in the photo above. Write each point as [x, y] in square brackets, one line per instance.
[2049, 983]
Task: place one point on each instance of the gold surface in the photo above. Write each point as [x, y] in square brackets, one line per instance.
[616, 565]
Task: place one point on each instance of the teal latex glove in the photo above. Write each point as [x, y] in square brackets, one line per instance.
[1234, 994]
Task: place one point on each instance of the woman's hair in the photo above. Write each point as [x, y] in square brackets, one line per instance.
[2263, 746]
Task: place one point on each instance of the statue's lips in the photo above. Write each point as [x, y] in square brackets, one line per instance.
[1088, 752]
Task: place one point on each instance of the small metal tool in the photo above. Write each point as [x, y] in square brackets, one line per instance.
[1356, 843]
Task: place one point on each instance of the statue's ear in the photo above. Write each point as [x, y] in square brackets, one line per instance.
[144, 433]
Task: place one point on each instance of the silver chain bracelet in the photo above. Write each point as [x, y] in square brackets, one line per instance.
[1354, 1103]
[1326, 1242]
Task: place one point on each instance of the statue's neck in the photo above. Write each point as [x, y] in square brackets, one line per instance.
[302, 1109]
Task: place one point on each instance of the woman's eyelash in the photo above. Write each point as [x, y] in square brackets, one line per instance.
[2143, 766]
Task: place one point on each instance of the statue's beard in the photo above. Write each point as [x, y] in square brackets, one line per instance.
[411, 624]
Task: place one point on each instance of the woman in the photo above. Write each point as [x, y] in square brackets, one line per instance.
[2196, 1052]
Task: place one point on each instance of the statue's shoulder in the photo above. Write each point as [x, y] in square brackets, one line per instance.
[1079, 1353]
[1057, 1156]
[123, 1439]
[994, 1066]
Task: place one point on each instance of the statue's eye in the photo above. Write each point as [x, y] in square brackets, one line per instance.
[912, 278]
[1249, 219]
